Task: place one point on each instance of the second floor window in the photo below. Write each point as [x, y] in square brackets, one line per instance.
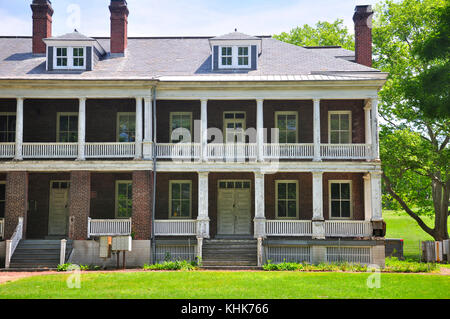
[286, 123]
[340, 128]
[234, 57]
[67, 127]
[180, 120]
[126, 127]
[69, 58]
[7, 127]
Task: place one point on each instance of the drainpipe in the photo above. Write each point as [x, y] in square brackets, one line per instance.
[153, 243]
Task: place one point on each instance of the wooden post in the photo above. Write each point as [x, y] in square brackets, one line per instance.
[62, 254]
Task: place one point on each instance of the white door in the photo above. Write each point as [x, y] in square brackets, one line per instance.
[234, 207]
[59, 208]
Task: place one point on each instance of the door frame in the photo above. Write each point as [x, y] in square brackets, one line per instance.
[50, 206]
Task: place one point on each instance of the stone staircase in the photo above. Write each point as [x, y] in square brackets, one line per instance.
[230, 254]
[38, 254]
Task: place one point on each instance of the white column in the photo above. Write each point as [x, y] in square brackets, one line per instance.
[138, 153]
[317, 130]
[148, 128]
[368, 127]
[260, 129]
[260, 218]
[375, 137]
[81, 128]
[367, 198]
[19, 129]
[203, 218]
[204, 128]
[375, 185]
[318, 222]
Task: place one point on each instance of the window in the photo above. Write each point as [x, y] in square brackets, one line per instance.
[2, 199]
[234, 124]
[180, 120]
[286, 122]
[339, 127]
[67, 127]
[69, 58]
[7, 127]
[180, 199]
[234, 57]
[126, 127]
[340, 199]
[286, 195]
[124, 199]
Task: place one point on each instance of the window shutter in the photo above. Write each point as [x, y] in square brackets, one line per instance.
[50, 59]
[216, 57]
[254, 57]
[88, 58]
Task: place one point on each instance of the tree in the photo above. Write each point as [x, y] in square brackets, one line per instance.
[324, 34]
[414, 141]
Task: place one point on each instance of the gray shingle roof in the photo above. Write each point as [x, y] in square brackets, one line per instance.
[152, 58]
[235, 36]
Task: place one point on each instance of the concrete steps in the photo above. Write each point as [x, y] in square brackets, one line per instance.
[226, 253]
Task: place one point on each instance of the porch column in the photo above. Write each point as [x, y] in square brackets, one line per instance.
[148, 128]
[203, 218]
[16, 202]
[204, 129]
[79, 204]
[260, 129]
[138, 153]
[375, 136]
[375, 185]
[368, 128]
[260, 218]
[19, 129]
[318, 222]
[367, 198]
[316, 137]
[142, 189]
[81, 128]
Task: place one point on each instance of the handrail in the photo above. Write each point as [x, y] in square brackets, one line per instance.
[11, 244]
[175, 227]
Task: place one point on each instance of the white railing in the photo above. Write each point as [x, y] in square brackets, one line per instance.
[11, 244]
[7, 150]
[109, 227]
[186, 227]
[110, 150]
[286, 151]
[50, 150]
[345, 151]
[289, 228]
[178, 150]
[2, 228]
[348, 228]
[231, 151]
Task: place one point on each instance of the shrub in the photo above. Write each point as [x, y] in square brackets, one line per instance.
[393, 264]
[173, 265]
[67, 267]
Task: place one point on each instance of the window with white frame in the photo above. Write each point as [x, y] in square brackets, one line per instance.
[287, 125]
[340, 199]
[180, 120]
[7, 127]
[69, 58]
[124, 199]
[2, 199]
[126, 127]
[286, 199]
[67, 127]
[234, 57]
[340, 127]
[180, 193]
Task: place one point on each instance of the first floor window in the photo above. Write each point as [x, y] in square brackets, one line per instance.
[180, 199]
[286, 123]
[2, 199]
[124, 199]
[286, 199]
[67, 128]
[340, 199]
[180, 120]
[340, 127]
[126, 123]
[7, 127]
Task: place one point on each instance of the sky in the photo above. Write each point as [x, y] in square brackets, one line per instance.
[180, 17]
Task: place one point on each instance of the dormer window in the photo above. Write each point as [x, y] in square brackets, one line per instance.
[69, 58]
[235, 57]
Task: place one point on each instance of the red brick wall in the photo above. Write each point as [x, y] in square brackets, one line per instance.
[42, 25]
[119, 26]
[80, 199]
[363, 37]
[142, 204]
[16, 201]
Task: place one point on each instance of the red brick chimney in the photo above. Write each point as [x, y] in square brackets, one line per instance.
[363, 34]
[42, 24]
[119, 25]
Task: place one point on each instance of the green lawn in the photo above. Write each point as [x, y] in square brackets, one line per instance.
[401, 225]
[221, 285]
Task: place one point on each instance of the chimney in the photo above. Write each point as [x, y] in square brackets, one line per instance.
[119, 25]
[42, 24]
[363, 34]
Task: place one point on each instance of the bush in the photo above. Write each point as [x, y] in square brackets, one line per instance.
[173, 265]
[67, 267]
[393, 264]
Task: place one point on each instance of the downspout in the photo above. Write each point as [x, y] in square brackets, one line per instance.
[153, 243]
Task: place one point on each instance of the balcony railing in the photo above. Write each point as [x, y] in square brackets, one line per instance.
[109, 227]
[110, 150]
[2, 228]
[287, 151]
[169, 227]
[231, 151]
[289, 228]
[345, 151]
[348, 228]
[50, 150]
[7, 150]
[178, 150]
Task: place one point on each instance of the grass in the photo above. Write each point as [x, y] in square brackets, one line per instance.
[229, 285]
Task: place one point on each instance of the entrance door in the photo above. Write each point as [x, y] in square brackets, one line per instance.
[234, 207]
[234, 127]
[59, 208]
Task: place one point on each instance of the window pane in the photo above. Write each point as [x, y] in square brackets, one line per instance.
[64, 123]
[345, 191]
[292, 191]
[282, 137]
[11, 123]
[345, 209]
[345, 122]
[345, 138]
[240, 115]
[2, 191]
[176, 191]
[335, 209]
[176, 207]
[246, 185]
[291, 122]
[334, 138]
[292, 208]
[3, 122]
[186, 191]
[281, 191]
[281, 122]
[73, 123]
[185, 207]
[223, 185]
[291, 137]
[335, 191]
[334, 122]
[2, 209]
[281, 208]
